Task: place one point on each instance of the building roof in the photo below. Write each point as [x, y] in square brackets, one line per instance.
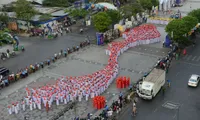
[108, 5]
[4, 2]
[46, 10]
[59, 13]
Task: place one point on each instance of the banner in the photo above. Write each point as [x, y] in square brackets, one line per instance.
[100, 39]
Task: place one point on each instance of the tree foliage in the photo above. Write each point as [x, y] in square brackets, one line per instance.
[195, 13]
[45, 17]
[24, 10]
[190, 22]
[101, 21]
[155, 2]
[56, 3]
[132, 9]
[81, 13]
[146, 4]
[114, 15]
[4, 18]
[177, 30]
[4, 36]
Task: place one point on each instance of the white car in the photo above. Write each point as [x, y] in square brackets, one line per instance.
[194, 80]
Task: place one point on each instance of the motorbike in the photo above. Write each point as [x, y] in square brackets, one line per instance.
[81, 31]
[12, 54]
[22, 48]
[4, 56]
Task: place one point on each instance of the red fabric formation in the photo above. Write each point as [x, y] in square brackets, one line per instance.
[123, 82]
[100, 79]
[99, 102]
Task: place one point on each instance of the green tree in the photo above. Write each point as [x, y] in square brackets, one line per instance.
[56, 3]
[195, 13]
[131, 9]
[4, 18]
[155, 2]
[24, 10]
[177, 29]
[190, 22]
[77, 13]
[101, 21]
[146, 4]
[45, 17]
[114, 15]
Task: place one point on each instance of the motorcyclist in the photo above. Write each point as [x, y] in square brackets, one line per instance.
[42, 64]
[23, 49]
[74, 49]
[81, 44]
[77, 47]
[56, 56]
[61, 51]
[81, 30]
[53, 59]
[48, 62]
[8, 51]
[88, 42]
[68, 50]
[65, 53]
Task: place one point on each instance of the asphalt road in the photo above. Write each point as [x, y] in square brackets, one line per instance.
[41, 49]
[179, 93]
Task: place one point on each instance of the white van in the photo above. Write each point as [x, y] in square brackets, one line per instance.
[151, 84]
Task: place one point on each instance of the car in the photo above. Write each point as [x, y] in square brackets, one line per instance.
[4, 71]
[194, 80]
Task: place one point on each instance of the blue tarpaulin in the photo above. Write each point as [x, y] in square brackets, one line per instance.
[167, 41]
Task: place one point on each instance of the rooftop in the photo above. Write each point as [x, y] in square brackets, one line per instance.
[59, 13]
[4, 2]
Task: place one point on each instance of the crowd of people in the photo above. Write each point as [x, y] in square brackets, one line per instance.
[32, 68]
[165, 62]
[82, 87]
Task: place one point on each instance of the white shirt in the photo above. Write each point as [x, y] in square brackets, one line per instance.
[110, 113]
[134, 105]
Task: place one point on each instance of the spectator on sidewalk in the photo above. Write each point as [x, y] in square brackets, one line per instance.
[110, 112]
[120, 96]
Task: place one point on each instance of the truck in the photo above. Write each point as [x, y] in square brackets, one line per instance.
[151, 84]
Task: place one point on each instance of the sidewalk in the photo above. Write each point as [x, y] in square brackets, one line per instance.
[188, 6]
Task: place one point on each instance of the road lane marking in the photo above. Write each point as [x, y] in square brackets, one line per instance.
[171, 105]
[188, 58]
[198, 58]
[194, 58]
[155, 110]
[190, 63]
[185, 57]
[177, 73]
[174, 116]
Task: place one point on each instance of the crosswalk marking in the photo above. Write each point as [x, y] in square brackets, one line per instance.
[185, 56]
[194, 58]
[198, 58]
[188, 58]
[191, 58]
[171, 105]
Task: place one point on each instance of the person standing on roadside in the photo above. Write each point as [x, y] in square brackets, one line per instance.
[168, 83]
[134, 109]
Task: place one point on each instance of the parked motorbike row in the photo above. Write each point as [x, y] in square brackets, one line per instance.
[23, 73]
[9, 54]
